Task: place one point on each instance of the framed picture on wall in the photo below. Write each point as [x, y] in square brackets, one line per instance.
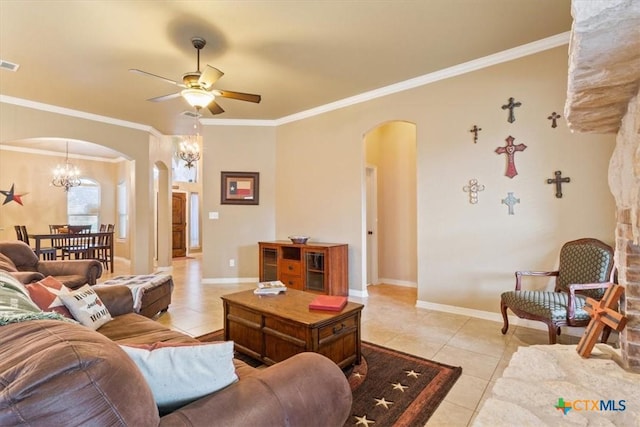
[240, 188]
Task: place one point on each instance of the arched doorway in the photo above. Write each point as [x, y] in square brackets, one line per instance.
[391, 201]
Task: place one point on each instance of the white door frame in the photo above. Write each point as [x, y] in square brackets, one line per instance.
[371, 224]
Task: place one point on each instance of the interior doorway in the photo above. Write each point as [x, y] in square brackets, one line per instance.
[391, 204]
[178, 224]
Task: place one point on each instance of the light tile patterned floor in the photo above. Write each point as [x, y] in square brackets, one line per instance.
[389, 318]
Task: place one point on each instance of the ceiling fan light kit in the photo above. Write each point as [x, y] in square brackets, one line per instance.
[197, 97]
[198, 86]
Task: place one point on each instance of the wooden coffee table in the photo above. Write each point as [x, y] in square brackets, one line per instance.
[272, 328]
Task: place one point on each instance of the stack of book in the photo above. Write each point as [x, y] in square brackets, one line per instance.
[270, 288]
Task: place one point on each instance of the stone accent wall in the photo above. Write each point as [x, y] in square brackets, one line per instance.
[628, 262]
[624, 181]
[603, 97]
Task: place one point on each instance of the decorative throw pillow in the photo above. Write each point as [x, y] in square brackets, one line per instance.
[180, 374]
[45, 294]
[86, 307]
[16, 305]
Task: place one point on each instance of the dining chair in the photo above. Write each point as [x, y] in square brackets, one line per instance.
[58, 228]
[101, 249]
[77, 245]
[47, 253]
[585, 269]
[79, 229]
[18, 232]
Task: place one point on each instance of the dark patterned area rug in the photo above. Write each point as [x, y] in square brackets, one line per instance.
[390, 388]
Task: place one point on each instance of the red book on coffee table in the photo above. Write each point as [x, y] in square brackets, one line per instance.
[328, 302]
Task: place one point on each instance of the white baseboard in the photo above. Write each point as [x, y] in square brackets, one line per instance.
[359, 294]
[496, 317]
[398, 282]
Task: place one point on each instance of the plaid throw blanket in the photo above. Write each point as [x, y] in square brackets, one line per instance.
[138, 284]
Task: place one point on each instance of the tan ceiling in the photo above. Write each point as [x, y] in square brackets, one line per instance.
[297, 54]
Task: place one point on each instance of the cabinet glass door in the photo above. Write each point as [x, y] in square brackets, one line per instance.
[314, 270]
[269, 264]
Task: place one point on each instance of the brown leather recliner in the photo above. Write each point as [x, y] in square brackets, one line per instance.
[20, 261]
[58, 373]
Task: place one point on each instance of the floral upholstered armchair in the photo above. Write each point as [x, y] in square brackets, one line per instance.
[585, 270]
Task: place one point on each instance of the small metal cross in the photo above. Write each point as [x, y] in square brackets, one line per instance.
[511, 105]
[474, 130]
[554, 117]
[510, 201]
[473, 189]
[558, 180]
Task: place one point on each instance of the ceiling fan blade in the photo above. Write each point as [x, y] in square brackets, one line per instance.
[215, 108]
[144, 73]
[164, 97]
[209, 76]
[239, 96]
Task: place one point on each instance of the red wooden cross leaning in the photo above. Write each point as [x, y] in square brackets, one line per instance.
[510, 150]
[602, 314]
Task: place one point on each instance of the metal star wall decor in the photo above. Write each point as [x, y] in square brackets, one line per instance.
[11, 196]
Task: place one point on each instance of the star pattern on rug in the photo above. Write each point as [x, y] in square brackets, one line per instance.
[383, 402]
[11, 196]
[398, 386]
[412, 373]
[363, 421]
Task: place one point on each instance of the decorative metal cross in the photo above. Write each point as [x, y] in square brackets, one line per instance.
[602, 314]
[511, 105]
[558, 180]
[510, 201]
[473, 189]
[474, 130]
[554, 117]
[510, 150]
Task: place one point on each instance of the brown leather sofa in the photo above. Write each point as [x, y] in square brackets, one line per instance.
[57, 373]
[19, 259]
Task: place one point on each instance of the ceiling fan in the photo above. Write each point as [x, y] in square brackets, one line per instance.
[198, 90]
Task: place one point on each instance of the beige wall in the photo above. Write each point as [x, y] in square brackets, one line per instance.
[391, 148]
[44, 204]
[236, 233]
[312, 180]
[18, 122]
[466, 253]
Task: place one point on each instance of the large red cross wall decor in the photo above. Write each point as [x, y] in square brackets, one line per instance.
[510, 151]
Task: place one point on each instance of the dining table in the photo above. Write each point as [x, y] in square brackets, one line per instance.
[57, 240]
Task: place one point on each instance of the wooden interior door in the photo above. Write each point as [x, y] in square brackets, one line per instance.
[179, 224]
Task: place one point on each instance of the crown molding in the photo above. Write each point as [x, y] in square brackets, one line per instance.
[77, 113]
[4, 147]
[446, 73]
[456, 70]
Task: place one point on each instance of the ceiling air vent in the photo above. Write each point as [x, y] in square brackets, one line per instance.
[191, 114]
[10, 66]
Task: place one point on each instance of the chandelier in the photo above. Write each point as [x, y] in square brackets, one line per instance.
[66, 175]
[189, 149]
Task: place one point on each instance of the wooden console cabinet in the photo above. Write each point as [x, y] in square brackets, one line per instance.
[315, 267]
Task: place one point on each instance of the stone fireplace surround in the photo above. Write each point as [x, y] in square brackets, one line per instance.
[603, 97]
